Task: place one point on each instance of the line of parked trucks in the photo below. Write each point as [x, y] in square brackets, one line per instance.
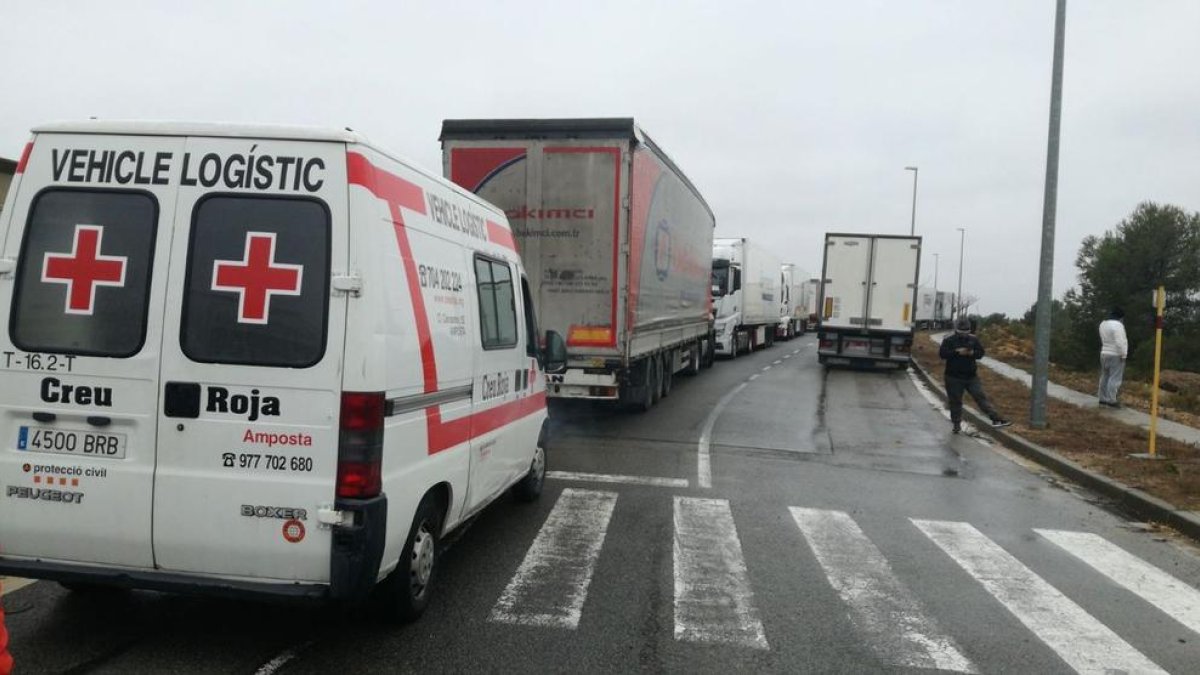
[622, 262]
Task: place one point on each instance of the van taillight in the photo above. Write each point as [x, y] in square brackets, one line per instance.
[360, 445]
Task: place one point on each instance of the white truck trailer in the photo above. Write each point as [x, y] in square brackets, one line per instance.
[793, 312]
[746, 293]
[811, 297]
[925, 308]
[616, 240]
[944, 311]
[868, 295]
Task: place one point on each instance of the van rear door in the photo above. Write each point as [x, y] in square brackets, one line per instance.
[89, 228]
[251, 360]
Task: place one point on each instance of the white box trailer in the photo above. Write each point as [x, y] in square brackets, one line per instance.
[944, 311]
[616, 240]
[925, 308]
[811, 297]
[746, 295]
[869, 289]
[793, 312]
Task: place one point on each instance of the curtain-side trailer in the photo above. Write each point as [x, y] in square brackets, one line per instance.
[616, 240]
[868, 299]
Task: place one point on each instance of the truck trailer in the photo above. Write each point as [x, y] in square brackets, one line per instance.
[616, 240]
[793, 312]
[925, 309]
[810, 293]
[868, 297]
[746, 293]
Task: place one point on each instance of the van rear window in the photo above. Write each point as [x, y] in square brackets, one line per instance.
[257, 288]
[83, 275]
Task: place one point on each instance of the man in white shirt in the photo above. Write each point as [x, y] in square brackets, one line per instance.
[1113, 349]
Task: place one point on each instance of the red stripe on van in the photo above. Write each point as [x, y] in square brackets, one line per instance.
[24, 157]
[498, 234]
[400, 193]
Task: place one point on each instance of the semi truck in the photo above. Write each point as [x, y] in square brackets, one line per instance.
[746, 289]
[793, 310]
[868, 299]
[616, 240]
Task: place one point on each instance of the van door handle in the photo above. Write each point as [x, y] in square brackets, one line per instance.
[99, 420]
[44, 417]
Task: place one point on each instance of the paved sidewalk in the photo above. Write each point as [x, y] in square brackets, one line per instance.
[1137, 418]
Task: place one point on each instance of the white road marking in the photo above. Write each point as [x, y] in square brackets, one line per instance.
[777, 362]
[617, 478]
[766, 368]
[884, 609]
[713, 600]
[787, 356]
[551, 585]
[11, 584]
[280, 661]
[755, 376]
[1178, 600]
[1084, 643]
[703, 465]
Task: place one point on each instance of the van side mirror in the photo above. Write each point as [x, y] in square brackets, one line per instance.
[554, 356]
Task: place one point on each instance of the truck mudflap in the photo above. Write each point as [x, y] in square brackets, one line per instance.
[357, 548]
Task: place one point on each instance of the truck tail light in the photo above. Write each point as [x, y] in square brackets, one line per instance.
[826, 342]
[360, 445]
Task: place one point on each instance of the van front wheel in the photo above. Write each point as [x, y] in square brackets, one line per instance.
[411, 584]
[529, 488]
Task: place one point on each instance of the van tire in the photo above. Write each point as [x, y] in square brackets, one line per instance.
[408, 588]
[529, 488]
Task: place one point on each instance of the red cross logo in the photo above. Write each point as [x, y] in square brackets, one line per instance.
[256, 277]
[83, 269]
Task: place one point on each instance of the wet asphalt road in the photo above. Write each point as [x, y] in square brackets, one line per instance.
[865, 576]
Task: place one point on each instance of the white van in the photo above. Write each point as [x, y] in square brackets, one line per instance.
[255, 360]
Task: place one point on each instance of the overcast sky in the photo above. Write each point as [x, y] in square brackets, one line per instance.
[793, 118]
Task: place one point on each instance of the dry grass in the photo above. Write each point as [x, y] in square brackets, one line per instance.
[1090, 437]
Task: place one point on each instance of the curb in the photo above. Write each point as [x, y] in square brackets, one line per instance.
[1140, 503]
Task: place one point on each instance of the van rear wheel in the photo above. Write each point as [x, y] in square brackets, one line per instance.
[409, 586]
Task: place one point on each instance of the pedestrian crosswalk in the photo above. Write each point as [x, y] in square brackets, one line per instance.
[715, 601]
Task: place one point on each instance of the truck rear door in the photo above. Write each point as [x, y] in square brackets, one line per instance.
[563, 201]
[847, 272]
[82, 290]
[251, 360]
[893, 283]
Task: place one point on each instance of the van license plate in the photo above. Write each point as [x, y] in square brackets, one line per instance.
[68, 442]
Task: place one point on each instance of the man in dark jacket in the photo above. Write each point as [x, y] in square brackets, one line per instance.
[961, 350]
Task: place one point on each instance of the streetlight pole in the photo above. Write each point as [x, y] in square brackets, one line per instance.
[913, 229]
[962, 239]
[935, 271]
[1041, 329]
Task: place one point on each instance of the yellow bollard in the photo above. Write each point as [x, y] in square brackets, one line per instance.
[1160, 301]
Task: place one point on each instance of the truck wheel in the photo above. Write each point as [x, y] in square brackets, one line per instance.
[409, 586]
[708, 353]
[642, 393]
[656, 379]
[668, 376]
[694, 364]
[529, 488]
